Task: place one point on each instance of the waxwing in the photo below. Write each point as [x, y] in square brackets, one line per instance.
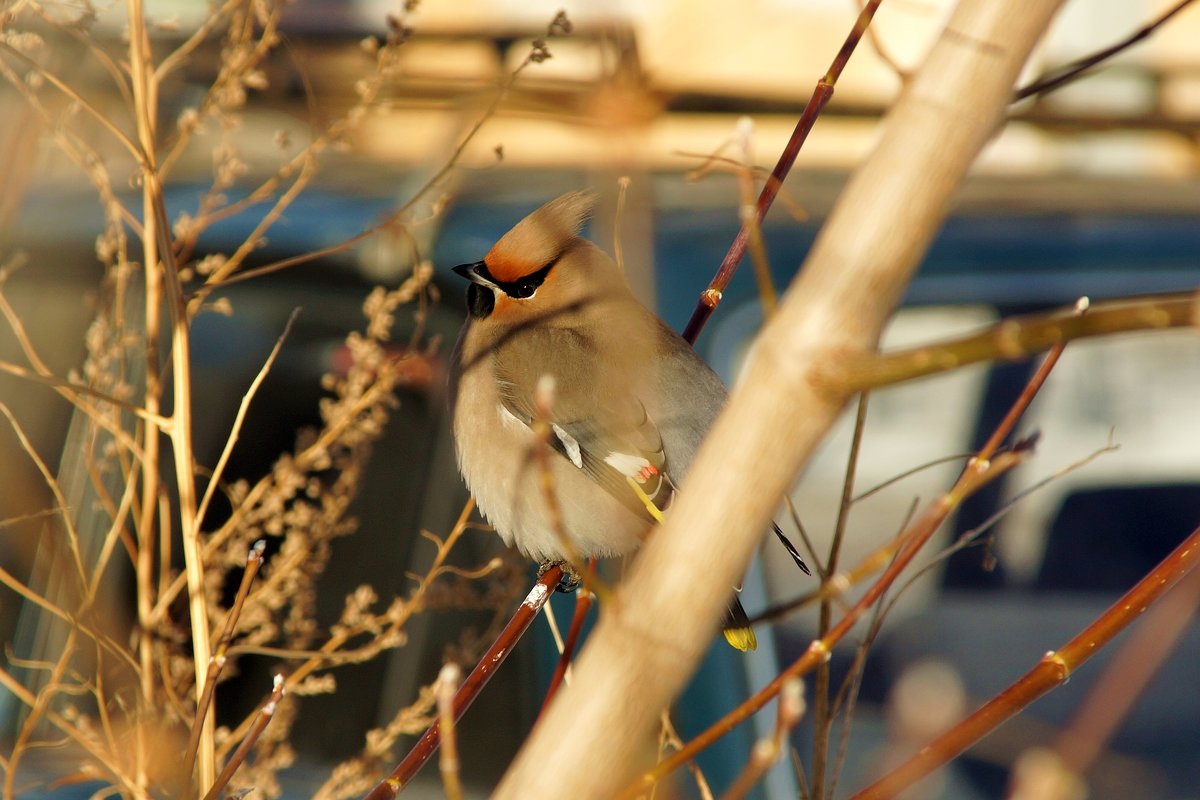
[631, 399]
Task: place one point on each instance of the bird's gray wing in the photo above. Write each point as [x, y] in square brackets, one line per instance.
[596, 421]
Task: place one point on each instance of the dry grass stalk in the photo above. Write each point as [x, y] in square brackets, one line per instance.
[125, 692]
[448, 683]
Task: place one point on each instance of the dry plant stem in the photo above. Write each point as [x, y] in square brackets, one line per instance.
[67, 390]
[1077, 69]
[777, 413]
[130, 146]
[36, 712]
[79, 578]
[253, 563]
[391, 219]
[72, 731]
[448, 761]
[162, 283]
[710, 298]
[329, 651]
[407, 769]
[70, 392]
[1127, 675]
[239, 420]
[262, 719]
[304, 459]
[143, 565]
[240, 32]
[914, 538]
[543, 402]
[178, 57]
[1054, 668]
[81, 153]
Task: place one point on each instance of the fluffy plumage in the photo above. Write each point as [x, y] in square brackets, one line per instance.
[632, 399]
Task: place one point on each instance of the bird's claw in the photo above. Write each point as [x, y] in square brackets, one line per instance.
[570, 579]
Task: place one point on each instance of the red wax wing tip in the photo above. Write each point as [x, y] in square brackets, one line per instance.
[647, 473]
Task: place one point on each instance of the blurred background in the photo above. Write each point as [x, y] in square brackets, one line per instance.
[1092, 190]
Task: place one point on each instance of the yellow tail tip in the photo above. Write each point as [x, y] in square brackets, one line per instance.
[741, 638]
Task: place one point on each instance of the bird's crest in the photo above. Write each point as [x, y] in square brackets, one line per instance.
[539, 238]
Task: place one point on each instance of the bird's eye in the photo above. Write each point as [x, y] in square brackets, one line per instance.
[524, 290]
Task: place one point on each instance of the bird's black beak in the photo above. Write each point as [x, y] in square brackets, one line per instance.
[475, 273]
[481, 294]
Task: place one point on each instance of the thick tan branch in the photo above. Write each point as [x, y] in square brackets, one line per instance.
[651, 637]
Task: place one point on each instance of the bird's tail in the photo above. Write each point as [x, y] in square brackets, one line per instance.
[737, 628]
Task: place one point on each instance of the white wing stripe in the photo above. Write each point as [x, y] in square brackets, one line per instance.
[630, 466]
[570, 445]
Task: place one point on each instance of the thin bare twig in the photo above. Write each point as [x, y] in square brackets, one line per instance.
[710, 298]
[262, 719]
[748, 215]
[908, 473]
[623, 184]
[669, 736]
[254, 561]
[239, 420]
[58, 83]
[387, 629]
[822, 714]
[535, 55]
[1077, 69]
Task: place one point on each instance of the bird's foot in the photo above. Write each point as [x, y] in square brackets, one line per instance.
[570, 579]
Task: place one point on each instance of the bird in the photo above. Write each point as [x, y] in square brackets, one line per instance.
[631, 399]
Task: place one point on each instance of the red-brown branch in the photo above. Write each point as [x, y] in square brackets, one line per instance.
[710, 298]
[427, 745]
[1053, 670]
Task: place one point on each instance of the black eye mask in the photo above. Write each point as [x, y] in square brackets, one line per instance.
[522, 288]
[481, 298]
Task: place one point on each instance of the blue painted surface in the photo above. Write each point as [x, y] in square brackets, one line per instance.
[1015, 259]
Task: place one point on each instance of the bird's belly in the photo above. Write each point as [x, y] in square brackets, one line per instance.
[498, 459]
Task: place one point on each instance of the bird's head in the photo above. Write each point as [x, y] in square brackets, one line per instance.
[540, 267]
